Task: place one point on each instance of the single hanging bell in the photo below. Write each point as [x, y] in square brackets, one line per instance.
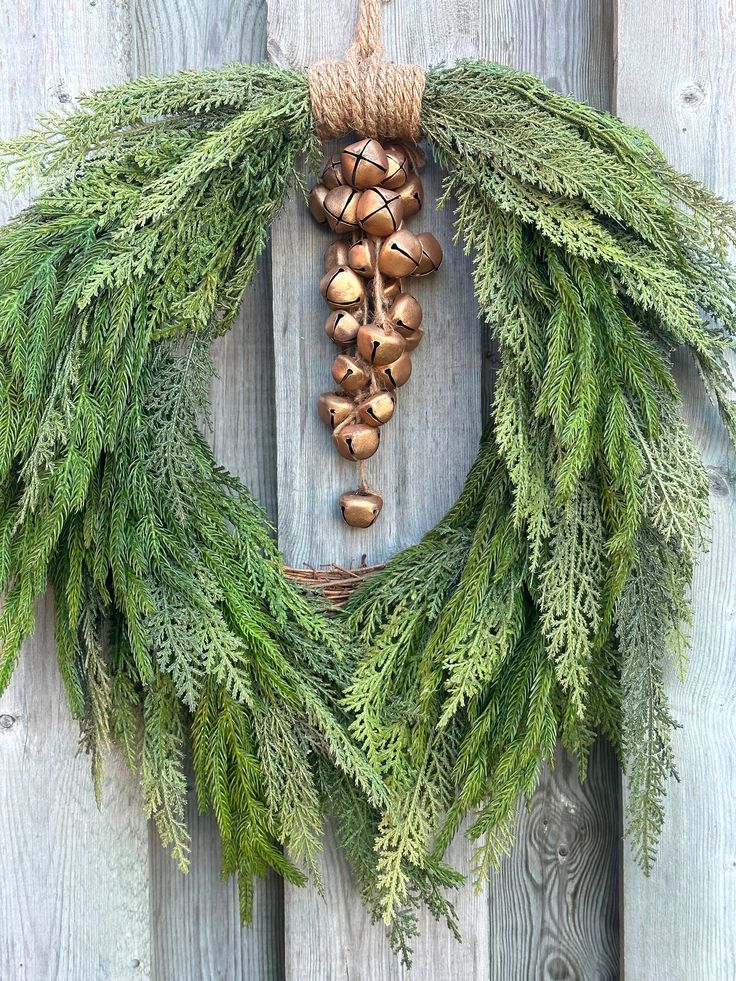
[431, 258]
[341, 288]
[360, 508]
[341, 208]
[396, 374]
[362, 258]
[364, 164]
[400, 254]
[377, 409]
[332, 174]
[378, 345]
[317, 204]
[334, 408]
[342, 327]
[379, 211]
[349, 373]
[398, 167]
[336, 254]
[356, 441]
[412, 196]
[405, 314]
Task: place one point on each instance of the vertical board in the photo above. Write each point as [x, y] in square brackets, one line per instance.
[554, 904]
[196, 931]
[74, 881]
[420, 466]
[677, 79]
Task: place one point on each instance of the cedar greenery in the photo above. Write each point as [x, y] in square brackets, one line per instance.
[545, 603]
[541, 608]
[176, 626]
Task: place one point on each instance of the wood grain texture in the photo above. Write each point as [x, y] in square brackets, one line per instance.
[195, 918]
[74, 881]
[420, 466]
[431, 441]
[677, 79]
[554, 905]
[566, 43]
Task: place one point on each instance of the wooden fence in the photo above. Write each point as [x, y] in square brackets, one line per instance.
[90, 895]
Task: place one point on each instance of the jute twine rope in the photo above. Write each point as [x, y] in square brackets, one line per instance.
[364, 93]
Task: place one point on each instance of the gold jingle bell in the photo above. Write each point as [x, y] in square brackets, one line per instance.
[336, 254]
[316, 204]
[332, 174]
[396, 374]
[379, 211]
[431, 259]
[341, 327]
[349, 373]
[400, 254]
[414, 339]
[398, 167]
[377, 409]
[412, 196]
[364, 164]
[362, 258]
[360, 508]
[341, 288]
[378, 345]
[341, 206]
[406, 314]
[334, 408]
[356, 441]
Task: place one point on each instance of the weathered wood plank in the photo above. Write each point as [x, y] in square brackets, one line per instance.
[554, 905]
[418, 451]
[677, 79]
[420, 466]
[74, 881]
[196, 928]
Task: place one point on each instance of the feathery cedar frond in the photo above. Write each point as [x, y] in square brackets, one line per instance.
[543, 608]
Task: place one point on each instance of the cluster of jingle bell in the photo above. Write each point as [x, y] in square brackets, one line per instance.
[367, 193]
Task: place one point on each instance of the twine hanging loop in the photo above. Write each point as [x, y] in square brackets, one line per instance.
[364, 93]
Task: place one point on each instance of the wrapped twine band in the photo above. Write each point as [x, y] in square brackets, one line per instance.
[368, 95]
[364, 93]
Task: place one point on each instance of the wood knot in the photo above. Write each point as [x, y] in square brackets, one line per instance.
[718, 482]
[693, 96]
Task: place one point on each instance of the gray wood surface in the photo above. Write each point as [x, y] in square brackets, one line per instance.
[554, 907]
[196, 931]
[74, 881]
[569, 45]
[420, 466]
[677, 79]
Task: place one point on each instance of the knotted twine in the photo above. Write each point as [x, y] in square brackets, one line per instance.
[365, 93]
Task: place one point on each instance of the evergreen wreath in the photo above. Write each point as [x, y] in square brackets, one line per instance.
[541, 607]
